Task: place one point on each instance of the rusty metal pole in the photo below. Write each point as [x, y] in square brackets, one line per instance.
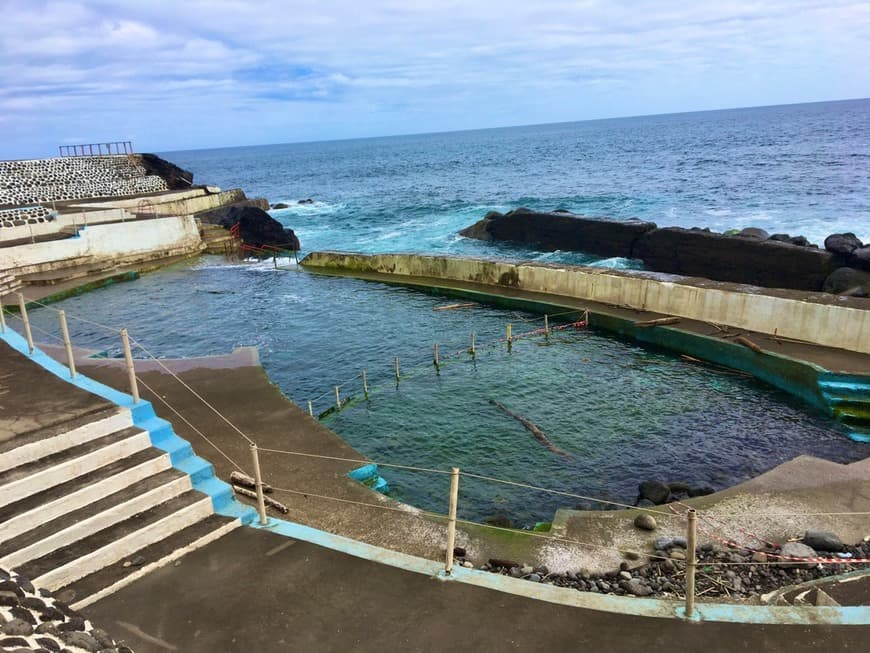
[451, 520]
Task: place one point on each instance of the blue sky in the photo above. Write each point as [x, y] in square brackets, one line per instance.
[206, 73]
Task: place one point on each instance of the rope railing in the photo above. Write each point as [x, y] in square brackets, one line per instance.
[690, 514]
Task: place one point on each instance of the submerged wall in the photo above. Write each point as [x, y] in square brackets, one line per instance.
[811, 317]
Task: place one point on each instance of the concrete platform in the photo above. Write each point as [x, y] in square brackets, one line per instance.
[256, 591]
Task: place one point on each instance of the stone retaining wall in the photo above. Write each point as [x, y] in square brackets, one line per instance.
[24, 215]
[45, 180]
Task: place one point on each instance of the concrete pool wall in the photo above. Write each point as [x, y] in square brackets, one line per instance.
[816, 319]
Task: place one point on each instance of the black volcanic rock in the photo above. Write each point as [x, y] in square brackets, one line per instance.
[848, 281]
[715, 256]
[860, 258]
[842, 243]
[561, 231]
[176, 178]
[256, 227]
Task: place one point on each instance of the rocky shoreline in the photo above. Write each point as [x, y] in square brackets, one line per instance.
[750, 256]
[723, 571]
[34, 621]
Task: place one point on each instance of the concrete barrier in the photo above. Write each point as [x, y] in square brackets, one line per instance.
[810, 317]
[109, 242]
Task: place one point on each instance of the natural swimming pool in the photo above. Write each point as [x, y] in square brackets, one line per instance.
[621, 412]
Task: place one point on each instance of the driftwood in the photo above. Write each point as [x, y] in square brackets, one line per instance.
[746, 342]
[657, 322]
[269, 501]
[237, 478]
[534, 430]
[451, 307]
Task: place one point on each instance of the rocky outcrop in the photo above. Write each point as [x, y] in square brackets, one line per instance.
[751, 256]
[256, 227]
[768, 263]
[565, 231]
[848, 281]
[176, 178]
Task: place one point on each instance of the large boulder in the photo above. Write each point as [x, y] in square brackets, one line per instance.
[848, 281]
[766, 263]
[561, 231]
[843, 244]
[860, 258]
[256, 227]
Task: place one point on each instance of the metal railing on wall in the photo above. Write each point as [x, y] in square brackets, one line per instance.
[114, 148]
[714, 524]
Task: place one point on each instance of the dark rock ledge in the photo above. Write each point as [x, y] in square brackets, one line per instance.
[751, 256]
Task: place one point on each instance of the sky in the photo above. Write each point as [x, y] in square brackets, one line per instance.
[188, 74]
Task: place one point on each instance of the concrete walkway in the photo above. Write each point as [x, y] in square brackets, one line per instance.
[256, 591]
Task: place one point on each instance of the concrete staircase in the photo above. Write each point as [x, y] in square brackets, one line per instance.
[848, 397]
[91, 504]
[218, 240]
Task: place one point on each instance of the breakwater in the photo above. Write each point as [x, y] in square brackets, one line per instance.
[751, 256]
[816, 318]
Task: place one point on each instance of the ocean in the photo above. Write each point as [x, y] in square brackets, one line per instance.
[622, 412]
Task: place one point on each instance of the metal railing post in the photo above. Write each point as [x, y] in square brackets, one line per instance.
[131, 371]
[365, 384]
[546, 326]
[451, 519]
[473, 350]
[71, 363]
[437, 363]
[337, 399]
[691, 562]
[510, 338]
[2, 319]
[310, 409]
[258, 482]
[397, 370]
[22, 307]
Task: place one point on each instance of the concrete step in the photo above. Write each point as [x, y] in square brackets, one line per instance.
[27, 479]
[78, 524]
[111, 578]
[28, 447]
[38, 508]
[109, 545]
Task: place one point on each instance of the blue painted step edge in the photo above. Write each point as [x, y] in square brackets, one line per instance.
[162, 436]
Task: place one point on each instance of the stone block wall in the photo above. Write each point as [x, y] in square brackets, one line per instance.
[23, 215]
[45, 180]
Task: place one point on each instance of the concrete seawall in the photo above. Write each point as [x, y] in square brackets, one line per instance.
[817, 318]
[148, 239]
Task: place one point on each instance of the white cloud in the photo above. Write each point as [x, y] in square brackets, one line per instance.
[393, 64]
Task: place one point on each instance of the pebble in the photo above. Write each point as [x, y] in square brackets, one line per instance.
[625, 575]
[677, 555]
[760, 557]
[637, 587]
[631, 555]
[516, 572]
[663, 543]
[535, 578]
[526, 570]
[468, 565]
[645, 521]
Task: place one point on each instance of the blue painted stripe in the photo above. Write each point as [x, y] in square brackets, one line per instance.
[163, 437]
[719, 612]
